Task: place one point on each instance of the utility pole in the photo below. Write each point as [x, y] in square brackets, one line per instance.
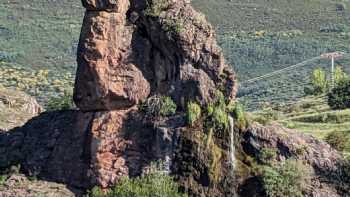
[332, 56]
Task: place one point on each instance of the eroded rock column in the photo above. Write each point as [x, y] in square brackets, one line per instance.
[110, 85]
[106, 79]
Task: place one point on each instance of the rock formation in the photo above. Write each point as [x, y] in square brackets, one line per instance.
[16, 108]
[131, 50]
[330, 177]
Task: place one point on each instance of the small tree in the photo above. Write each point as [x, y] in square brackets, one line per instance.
[339, 74]
[319, 81]
[339, 97]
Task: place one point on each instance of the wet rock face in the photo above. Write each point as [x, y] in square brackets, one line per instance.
[129, 50]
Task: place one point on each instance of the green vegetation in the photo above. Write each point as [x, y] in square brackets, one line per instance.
[159, 106]
[193, 112]
[153, 184]
[339, 74]
[62, 102]
[266, 116]
[285, 179]
[312, 115]
[155, 7]
[260, 37]
[339, 97]
[267, 155]
[42, 83]
[173, 25]
[239, 114]
[217, 113]
[267, 35]
[40, 34]
[319, 81]
[339, 140]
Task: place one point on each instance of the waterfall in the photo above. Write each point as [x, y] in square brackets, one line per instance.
[232, 143]
[165, 145]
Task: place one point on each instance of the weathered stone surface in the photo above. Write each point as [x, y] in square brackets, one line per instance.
[53, 146]
[106, 79]
[106, 5]
[122, 58]
[16, 108]
[109, 146]
[329, 178]
[18, 185]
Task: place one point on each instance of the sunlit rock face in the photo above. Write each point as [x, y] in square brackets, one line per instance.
[127, 53]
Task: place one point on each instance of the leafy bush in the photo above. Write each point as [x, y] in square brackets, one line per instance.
[339, 97]
[267, 155]
[159, 106]
[319, 81]
[285, 179]
[155, 7]
[193, 112]
[266, 116]
[340, 140]
[239, 114]
[339, 74]
[154, 184]
[217, 113]
[63, 102]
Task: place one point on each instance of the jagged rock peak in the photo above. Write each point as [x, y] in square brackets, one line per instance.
[129, 50]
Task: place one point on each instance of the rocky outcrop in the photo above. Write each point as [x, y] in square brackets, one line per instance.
[330, 176]
[129, 50]
[99, 148]
[21, 186]
[16, 108]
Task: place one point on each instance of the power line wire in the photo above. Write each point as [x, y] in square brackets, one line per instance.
[285, 69]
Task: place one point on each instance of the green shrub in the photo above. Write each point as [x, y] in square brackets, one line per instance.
[266, 116]
[220, 118]
[267, 155]
[339, 140]
[217, 113]
[154, 184]
[238, 111]
[155, 7]
[319, 81]
[339, 74]
[285, 179]
[159, 106]
[173, 25]
[193, 112]
[339, 97]
[63, 102]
